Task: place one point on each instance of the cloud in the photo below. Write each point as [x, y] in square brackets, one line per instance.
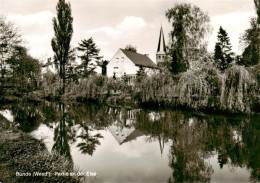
[107, 30]
[36, 23]
[110, 38]
[129, 26]
[36, 30]
[40, 45]
[234, 23]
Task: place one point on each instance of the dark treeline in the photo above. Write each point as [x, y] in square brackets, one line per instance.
[189, 77]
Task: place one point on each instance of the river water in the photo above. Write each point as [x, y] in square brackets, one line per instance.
[126, 144]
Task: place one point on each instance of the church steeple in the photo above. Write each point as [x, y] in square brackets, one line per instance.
[161, 49]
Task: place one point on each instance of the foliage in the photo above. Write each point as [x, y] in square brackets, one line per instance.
[98, 88]
[90, 53]
[9, 38]
[223, 54]
[131, 48]
[103, 65]
[50, 84]
[187, 38]
[257, 7]
[63, 30]
[250, 39]
[236, 90]
[159, 88]
[90, 142]
[24, 71]
[239, 89]
[25, 154]
[199, 88]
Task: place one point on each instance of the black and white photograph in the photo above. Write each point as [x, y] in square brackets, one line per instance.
[129, 91]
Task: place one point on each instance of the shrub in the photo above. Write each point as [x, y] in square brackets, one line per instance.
[239, 89]
[26, 154]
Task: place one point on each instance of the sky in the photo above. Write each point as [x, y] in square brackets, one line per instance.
[115, 23]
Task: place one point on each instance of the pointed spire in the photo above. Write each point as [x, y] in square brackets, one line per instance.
[161, 44]
[161, 144]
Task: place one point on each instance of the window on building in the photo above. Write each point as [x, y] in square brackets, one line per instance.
[122, 59]
[159, 56]
[117, 59]
[115, 71]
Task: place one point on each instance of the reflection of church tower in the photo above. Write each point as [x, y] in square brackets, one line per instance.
[161, 49]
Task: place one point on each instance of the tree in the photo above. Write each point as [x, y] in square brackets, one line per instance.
[187, 39]
[90, 53]
[131, 48]
[103, 65]
[24, 71]
[257, 7]
[223, 54]
[251, 40]
[9, 39]
[63, 31]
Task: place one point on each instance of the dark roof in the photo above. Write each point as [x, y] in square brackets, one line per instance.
[139, 59]
[132, 136]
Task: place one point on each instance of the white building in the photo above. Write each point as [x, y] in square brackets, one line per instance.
[127, 63]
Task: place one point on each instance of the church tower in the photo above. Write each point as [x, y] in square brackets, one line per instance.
[161, 49]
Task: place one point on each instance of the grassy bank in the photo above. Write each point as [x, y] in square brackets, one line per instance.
[21, 153]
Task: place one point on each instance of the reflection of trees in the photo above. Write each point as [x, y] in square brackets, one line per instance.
[75, 118]
[193, 138]
[27, 116]
[89, 115]
[88, 146]
[196, 138]
[186, 155]
[61, 135]
[236, 141]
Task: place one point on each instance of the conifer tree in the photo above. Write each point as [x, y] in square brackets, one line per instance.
[223, 50]
[251, 40]
[63, 31]
[90, 52]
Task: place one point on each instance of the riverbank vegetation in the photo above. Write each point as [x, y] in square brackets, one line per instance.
[24, 154]
[235, 90]
[190, 76]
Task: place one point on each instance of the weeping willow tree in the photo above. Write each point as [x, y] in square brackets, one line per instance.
[239, 89]
[190, 27]
[63, 31]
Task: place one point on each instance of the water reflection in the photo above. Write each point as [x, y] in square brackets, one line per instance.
[190, 141]
[88, 146]
[63, 134]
